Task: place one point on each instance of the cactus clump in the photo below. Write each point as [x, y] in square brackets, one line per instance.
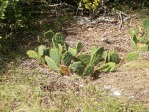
[63, 59]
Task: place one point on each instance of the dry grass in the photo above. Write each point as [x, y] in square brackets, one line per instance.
[23, 93]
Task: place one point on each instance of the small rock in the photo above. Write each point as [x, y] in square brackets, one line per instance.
[116, 93]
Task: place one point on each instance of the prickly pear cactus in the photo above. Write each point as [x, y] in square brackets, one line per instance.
[133, 42]
[96, 56]
[59, 38]
[146, 23]
[51, 64]
[67, 57]
[111, 57]
[72, 51]
[41, 50]
[49, 34]
[32, 54]
[143, 48]
[79, 46]
[54, 54]
[89, 70]
[132, 56]
[77, 67]
[84, 58]
[115, 57]
[41, 60]
[108, 67]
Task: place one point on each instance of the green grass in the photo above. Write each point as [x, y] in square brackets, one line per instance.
[21, 92]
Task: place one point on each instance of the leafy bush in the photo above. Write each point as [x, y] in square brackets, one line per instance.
[92, 6]
[16, 17]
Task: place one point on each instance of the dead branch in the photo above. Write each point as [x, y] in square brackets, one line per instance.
[121, 20]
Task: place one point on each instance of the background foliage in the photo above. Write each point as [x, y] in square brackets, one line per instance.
[16, 18]
[19, 17]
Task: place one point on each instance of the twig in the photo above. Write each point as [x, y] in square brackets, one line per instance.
[79, 6]
[121, 20]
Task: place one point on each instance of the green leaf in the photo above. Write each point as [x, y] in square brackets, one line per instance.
[108, 67]
[51, 64]
[77, 67]
[132, 56]
[84, 58]
[32, 54]
[87, 6]
[67, 58]
[41, 50]
[54, 54]
[143, 48]
[49, 34]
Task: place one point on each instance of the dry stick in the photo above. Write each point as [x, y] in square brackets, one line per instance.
[79, 6]
[121, 20]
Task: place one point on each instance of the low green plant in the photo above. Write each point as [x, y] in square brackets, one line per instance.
[62, 58]
[42, 51]
[139, 43]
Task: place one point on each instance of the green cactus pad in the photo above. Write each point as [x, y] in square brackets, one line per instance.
[96, 56]
[133, 44]
[72, 51]
[67, 58]
[60, 49]
[143, 48]
[55, 44]
[132, 32]
[114, 57]
[41, 60]
[142, 40]
[51, 64]
[49, 34]
[79, 46]
[93, 50]
[41, 50]
[108, 67]
[77, 67]
[89, 70]
[59, 38]
[146, 23]
[32, 54]
[54, 54]
[132, 56]
[84, 58]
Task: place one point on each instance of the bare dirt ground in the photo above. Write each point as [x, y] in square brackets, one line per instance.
[130, 80]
